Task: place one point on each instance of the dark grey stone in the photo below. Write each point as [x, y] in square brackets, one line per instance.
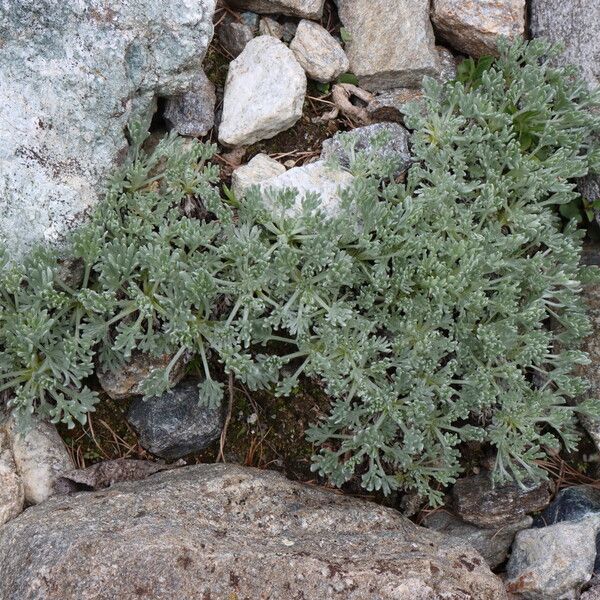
[175, 424]
[193, 113]
[387, 141]
[234, 36]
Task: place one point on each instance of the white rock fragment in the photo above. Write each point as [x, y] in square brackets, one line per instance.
[391, 43]
[319, 53]
[317, 177]
[259, 169]
[40, 457]
[264, 93]
[12, 497]
[475, 26]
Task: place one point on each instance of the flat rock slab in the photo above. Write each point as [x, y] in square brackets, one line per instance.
[264, 93]
[475, 26]
[308, 9]
[391, 42]
[223, 531]
[175, 424]
[576, 25]
[478, 501]
[72, 74]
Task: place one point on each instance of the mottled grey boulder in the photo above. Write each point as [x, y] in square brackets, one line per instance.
[223, 531]
[308, 9]
[478, 501]
[72, 74]
[175, 424]
[264, 93]
[576, 25]
[387, 141]
[553, 562]
[12, 497]
[492, 544]
[391, 42]
[475, 26]
[319, 53]
[193, 113]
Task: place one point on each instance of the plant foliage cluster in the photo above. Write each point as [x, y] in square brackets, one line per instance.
[422, 307]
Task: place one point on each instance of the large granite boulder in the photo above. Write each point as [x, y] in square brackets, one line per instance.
[576, 25]
[223, 531]
[72, 74]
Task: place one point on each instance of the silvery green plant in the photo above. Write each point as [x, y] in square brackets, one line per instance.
[435, 312]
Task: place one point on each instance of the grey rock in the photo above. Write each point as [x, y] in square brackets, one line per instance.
[269, 26]
[476, 500]
[447, 65]
[175, 424]
[107, 473]
[224, 531]
[388, 106]
[234, 36]
[40, 458]
[250, 19]
[289, 31]
[576, 25]
[12, 495]
[391, 42]
[592, 594]
[319, 53]
[555, 561]
[72, 74]
[492, 544]
[475, 26]
[319, 178]
[257, 170]
[307, 9]
[193, 113]
[386, 141]
[128, 380]
[264, 93]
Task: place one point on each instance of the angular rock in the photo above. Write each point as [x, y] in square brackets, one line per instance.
[175, 424]
[319, 53]
[576, 25]
[271, 27]
[553, 562]
[264, 93]
[571, 504]
[224, 531]
[592, 594]
[289, 30]
[447, 65]
[259, 169]
[12, 496]
[307, 9]
[128, 380]
[388, 106]
[72, 74]
[40, 457]
[477, 501]
[492, 544]
[475, 26]
[107, 473]
[234, 36]
[391, 42]
[385, 141]
[193, 113]
[314, 178]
